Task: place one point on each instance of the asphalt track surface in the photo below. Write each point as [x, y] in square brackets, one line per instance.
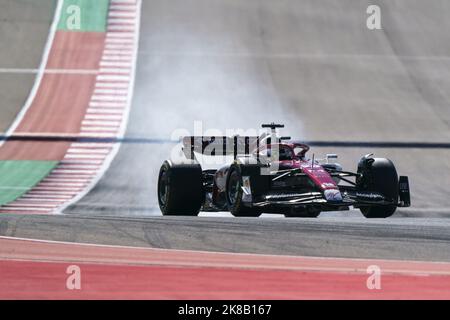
[405, 239]
[312, 65]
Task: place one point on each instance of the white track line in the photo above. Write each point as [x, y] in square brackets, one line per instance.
[113, 78]
[117, 58]
[115, 85]
[120, 40]
[75, 172]
[121, 14]
[109, 98]
[109, 111]
[97, 104]
[118, 47]
[129, 35]
[116, 52]
[80, 150]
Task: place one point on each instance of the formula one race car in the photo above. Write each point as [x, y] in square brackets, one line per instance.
[271, 174]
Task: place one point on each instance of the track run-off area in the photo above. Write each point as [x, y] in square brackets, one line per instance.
[137, 273]
[135, 71]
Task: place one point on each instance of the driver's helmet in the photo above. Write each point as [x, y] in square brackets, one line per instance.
[285, 153]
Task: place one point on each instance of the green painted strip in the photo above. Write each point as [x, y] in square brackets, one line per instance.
[84, 15]
[17, 177]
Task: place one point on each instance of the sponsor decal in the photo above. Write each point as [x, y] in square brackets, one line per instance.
[370, 196]
[291, 195]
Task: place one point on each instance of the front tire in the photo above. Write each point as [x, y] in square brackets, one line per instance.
[379, 175]
[180, 189]
[234, 194]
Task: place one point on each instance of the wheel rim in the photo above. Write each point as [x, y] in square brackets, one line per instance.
[163, 187]
[233, 187]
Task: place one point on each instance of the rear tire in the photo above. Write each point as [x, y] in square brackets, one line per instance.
[379, 176]
[180, 189]
[234, 194]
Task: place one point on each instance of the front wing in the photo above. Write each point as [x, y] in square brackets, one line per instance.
[350, 197]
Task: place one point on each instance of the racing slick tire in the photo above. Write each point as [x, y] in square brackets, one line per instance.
[378, 175]
[180, 189]
[234, 192]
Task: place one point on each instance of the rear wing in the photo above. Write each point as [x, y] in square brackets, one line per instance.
[227, 146]
[219, 146]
